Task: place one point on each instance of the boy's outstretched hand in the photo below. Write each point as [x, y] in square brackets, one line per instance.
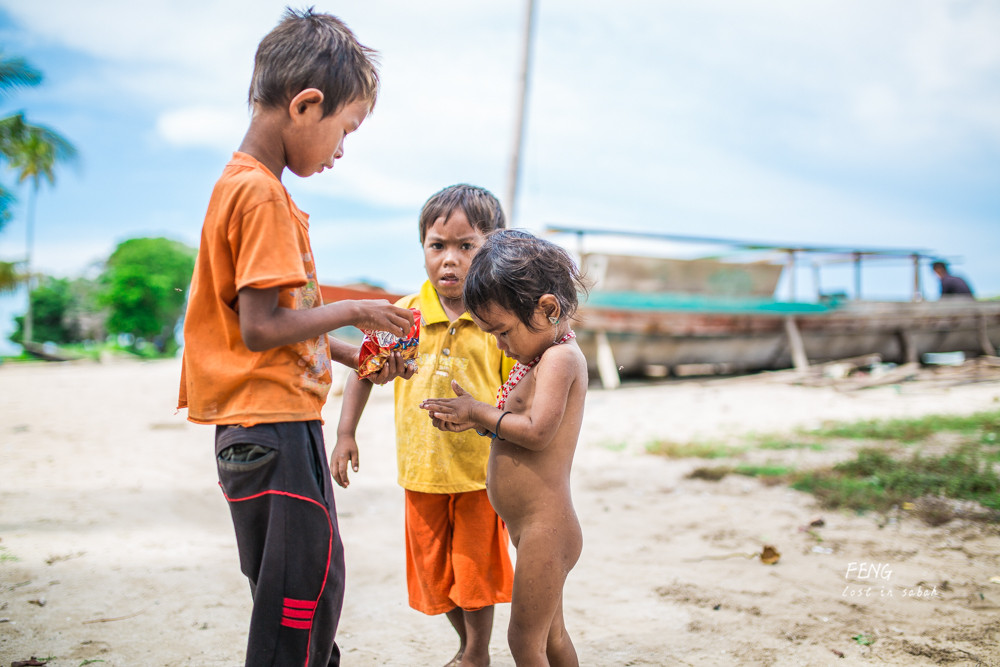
[345, 454]
[452, 414]
[380, 315]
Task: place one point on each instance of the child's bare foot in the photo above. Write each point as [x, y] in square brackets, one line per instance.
[457, 660]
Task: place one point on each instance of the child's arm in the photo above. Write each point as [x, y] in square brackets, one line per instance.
[534, 429]
[356, 393]
[265, 325]
[460, 413]
[343, 352]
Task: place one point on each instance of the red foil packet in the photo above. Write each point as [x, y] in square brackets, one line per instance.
[378, 345]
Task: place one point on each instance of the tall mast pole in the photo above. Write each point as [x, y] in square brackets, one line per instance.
[514, 168]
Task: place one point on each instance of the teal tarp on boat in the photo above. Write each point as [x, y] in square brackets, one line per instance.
[667, 301]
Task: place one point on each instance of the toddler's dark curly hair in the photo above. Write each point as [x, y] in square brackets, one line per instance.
[513, 269]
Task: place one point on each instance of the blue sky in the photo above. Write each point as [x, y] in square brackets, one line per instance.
[841, 123]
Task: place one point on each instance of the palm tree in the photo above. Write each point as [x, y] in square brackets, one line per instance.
[15, 73]
[36, 153]
[32, 151]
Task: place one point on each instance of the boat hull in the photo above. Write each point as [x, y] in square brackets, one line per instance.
[649, 340]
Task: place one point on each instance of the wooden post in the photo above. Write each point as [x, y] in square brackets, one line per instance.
[984, 338]
[607, 368]
[799, 359]
[918, 292]
[791, 275]
[907, 346]
[857, 276]
[514, 168]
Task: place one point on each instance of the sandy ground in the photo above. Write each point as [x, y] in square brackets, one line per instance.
[116, 546]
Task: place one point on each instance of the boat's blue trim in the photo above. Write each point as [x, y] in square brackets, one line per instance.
[667, 301]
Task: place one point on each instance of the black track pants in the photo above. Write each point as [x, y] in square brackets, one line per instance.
[277, 481]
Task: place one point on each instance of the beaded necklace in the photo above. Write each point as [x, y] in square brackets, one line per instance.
[519, 370]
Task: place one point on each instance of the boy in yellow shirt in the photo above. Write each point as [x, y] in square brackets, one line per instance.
[457, 559]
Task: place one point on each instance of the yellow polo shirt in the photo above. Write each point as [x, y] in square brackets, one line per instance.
[429, 460]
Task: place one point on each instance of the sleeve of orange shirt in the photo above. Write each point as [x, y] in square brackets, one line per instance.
[267, 248]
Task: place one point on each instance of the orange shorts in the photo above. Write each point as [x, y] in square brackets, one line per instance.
[456, 552]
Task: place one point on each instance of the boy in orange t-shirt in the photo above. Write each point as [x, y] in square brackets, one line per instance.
[257, 355]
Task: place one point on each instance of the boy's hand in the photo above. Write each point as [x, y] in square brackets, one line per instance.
[380, 315]
[346, 452]
[451, 414]
[394, 367]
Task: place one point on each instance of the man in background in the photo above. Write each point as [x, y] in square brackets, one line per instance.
[951, 286]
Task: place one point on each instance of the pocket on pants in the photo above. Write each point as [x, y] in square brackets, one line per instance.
[245, 457]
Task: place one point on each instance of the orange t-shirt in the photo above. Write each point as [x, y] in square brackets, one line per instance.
[254, 236]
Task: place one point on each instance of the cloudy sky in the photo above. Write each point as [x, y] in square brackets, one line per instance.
[839, 123]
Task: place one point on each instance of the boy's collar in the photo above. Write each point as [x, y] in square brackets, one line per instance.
[431, 310]
[246, 159]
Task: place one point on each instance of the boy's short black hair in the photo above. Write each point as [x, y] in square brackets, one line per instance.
[514, 268]
[939, 264]
[480, 206]
[310, 50]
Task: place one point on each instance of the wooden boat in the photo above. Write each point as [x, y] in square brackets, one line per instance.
[655, 316]
[634, 334]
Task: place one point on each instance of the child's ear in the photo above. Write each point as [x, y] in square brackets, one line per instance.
[549, 305]
[310, 98]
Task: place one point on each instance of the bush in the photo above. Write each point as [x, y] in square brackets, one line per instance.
[62, 312]
[144, 286]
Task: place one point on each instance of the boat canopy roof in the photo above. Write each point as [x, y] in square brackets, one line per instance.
[744, 244]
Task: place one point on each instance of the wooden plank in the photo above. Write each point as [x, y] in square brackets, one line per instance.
[799, 359]
[990, 360]
[984, 338]
[908, 349]
[607, 368]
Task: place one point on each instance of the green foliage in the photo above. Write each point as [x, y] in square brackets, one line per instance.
[614, 446]
[912, 430]
[11, 273]
[32, 151]
[63, 311]
[144, 287]
[15, 73]
[766, 470]
[49, 302]
[699, 450]
[769, 473]
[876, 480]
[776, 443]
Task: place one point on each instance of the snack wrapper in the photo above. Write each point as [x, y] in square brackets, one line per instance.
[378, 345]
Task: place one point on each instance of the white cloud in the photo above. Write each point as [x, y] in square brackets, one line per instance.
[58, 257]
[203, 126]
[843, 81]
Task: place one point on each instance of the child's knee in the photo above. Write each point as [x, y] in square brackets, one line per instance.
[525, 646]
